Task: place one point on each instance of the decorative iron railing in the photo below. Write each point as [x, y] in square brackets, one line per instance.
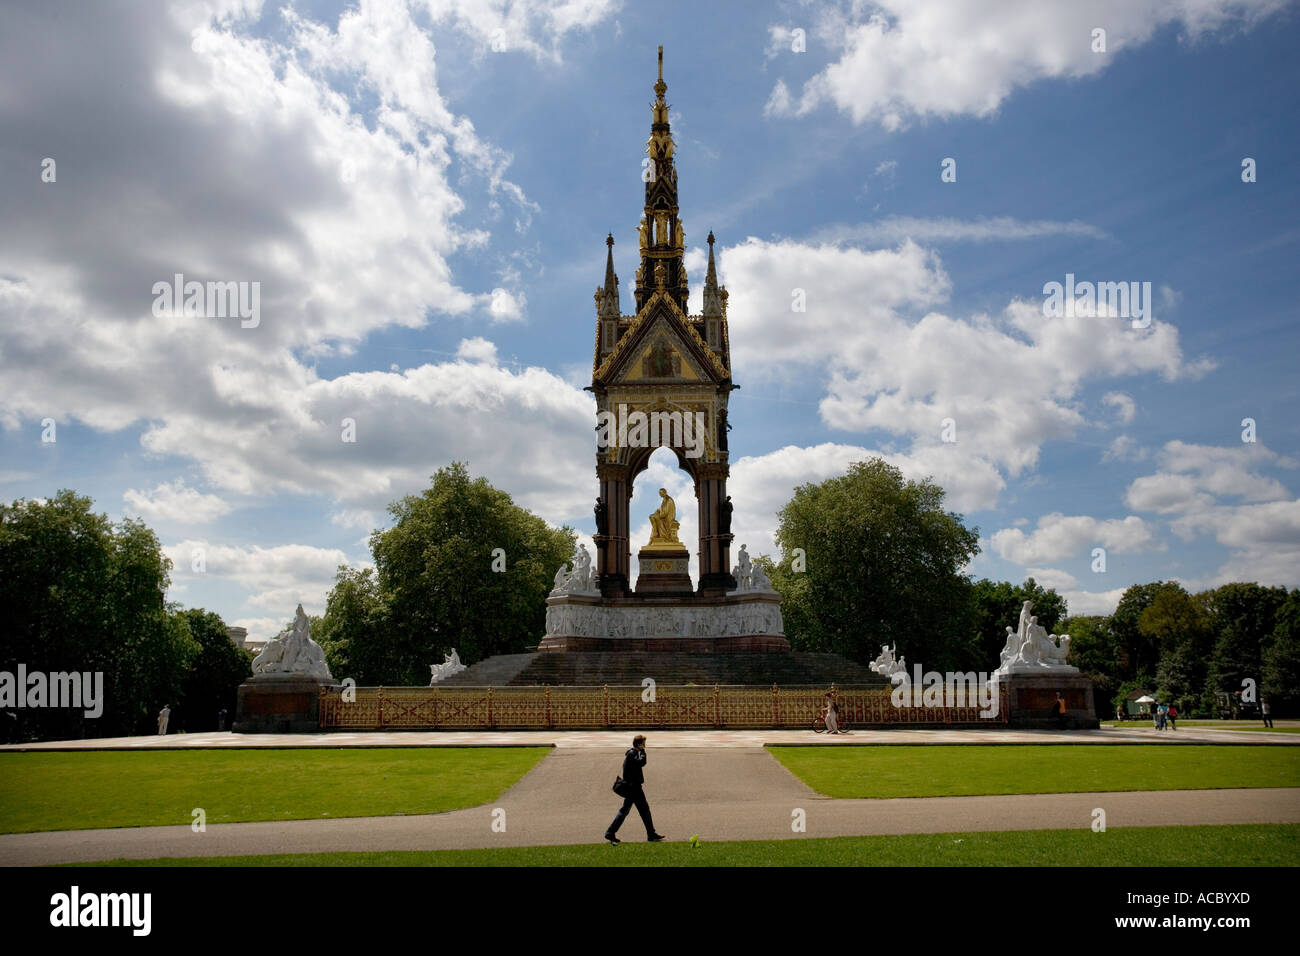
[578, 708]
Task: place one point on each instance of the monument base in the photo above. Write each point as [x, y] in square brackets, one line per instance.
[1031, 700]
[742, 621]
[663, 571]
[279, 704]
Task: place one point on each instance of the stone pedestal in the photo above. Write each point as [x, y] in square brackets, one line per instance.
[279, 704]
[663, 570]
[694, 623]
[1031, 698]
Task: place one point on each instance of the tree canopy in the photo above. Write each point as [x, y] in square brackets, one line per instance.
[434, 586]
[82, 594]
[884, 564]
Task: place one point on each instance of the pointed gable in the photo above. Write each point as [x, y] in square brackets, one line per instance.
[662, 346]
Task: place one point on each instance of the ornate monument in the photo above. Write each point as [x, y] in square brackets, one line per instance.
[1032, 667]
[661, 378]
[283, 695]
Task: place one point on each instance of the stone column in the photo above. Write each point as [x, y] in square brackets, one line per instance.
[715, 546]
[613, 560]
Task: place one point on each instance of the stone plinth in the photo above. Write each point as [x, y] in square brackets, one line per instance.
[707, 624]
[279, 704]
[663, 570]
[1031, 698]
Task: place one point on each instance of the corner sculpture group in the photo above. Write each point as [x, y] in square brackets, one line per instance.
[1028, 648]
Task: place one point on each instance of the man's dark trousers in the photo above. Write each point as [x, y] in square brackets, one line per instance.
[637, 798]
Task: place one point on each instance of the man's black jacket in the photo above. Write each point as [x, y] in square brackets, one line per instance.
[633, 761]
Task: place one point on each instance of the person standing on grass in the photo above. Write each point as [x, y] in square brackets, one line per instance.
[634, 776]
[1266, 711]
[164, 715]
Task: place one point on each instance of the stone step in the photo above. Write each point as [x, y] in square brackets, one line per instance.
[581, 668]
[497, 671]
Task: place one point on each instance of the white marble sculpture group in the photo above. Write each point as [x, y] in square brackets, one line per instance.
[451, 665]
[576, 577]
[750, 576]
[295, 654]
[886, 664]
[1029, 648]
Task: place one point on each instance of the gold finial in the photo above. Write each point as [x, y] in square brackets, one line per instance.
[661, 63]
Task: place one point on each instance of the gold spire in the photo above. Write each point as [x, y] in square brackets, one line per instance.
[660, 106]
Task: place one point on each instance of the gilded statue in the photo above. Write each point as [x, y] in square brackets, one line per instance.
[663, 523]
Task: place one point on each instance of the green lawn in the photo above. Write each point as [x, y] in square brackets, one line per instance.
[113, 788]
[1245, 845]
[899, 771]
[1280, 727]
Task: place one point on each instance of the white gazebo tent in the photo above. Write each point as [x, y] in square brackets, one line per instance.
[1144, 703]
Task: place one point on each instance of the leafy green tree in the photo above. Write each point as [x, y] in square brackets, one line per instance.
[1180, 627]
[884, 566]
[214, 675]
[1093, 651]
[1281, 666]
[82, 594]
[435, 587]
[351, 631]
[1138, 653]
[1243, 618]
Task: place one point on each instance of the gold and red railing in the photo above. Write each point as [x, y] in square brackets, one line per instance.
[574, 708]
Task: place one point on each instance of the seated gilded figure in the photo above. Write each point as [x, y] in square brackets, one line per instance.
[663, 523]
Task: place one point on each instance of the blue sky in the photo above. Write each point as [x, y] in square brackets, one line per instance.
[422, 191]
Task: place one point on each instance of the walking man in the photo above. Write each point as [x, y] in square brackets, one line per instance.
[634, 777]
[1266, 711]
[163, 716]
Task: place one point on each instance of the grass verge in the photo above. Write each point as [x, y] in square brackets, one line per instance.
[1243, 845]
[972, 769]
[113, 788]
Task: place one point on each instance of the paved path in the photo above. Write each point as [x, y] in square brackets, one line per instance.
[565, 739]
[738, 793]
